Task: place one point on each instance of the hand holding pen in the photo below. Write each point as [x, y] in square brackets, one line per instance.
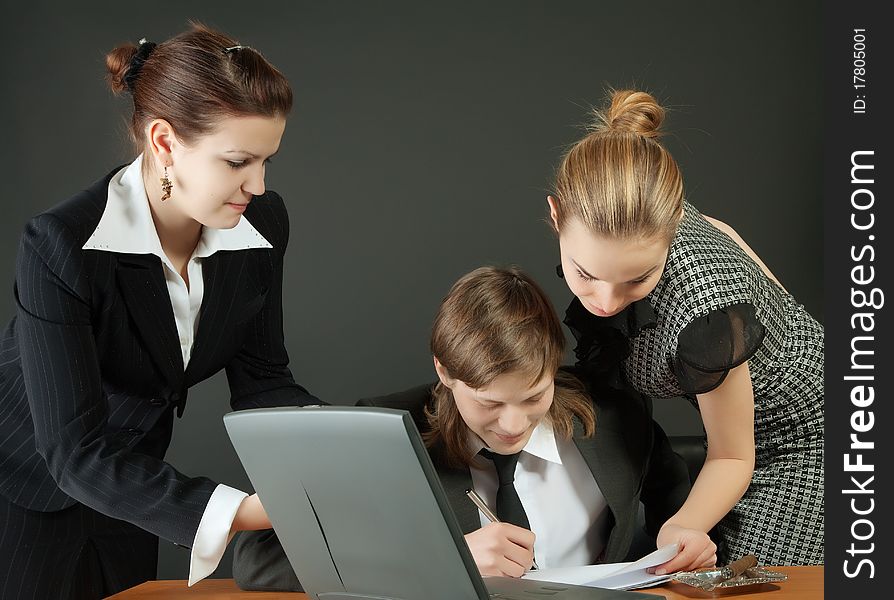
[502, 548]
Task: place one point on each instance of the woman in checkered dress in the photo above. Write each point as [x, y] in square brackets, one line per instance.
[676, 304]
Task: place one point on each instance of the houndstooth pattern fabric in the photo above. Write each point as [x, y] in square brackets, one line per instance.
[780, 518]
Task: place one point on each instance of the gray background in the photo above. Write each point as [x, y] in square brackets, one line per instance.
[422, 144]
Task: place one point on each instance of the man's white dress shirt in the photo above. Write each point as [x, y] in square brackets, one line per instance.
[565, 507]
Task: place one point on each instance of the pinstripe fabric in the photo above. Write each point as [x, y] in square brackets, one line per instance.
[70, 554]
[91, 369]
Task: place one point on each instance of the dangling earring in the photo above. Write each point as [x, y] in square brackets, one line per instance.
[166, 186]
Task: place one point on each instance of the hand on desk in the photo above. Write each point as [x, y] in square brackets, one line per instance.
[696, 549]
[250, 516]
[502, 549]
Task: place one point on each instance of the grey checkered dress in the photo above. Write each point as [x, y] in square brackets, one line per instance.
[712, 310]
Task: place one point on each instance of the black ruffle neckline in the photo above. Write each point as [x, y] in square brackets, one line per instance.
[631, 321]
[604, 342]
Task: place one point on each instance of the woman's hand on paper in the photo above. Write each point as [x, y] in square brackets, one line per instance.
[502, 549]
[696, 549]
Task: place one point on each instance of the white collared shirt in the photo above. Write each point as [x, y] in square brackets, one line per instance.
[565, 507]
[126, 227]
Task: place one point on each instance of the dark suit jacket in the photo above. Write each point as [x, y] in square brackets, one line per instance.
[629, 456]
[91, 368]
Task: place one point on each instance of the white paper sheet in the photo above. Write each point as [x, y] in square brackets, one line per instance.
[616, 576]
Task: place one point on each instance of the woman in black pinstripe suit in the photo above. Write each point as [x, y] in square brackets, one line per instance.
[161, 274]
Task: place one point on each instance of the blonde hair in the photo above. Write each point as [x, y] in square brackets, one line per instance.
[496, 321]
[618, 180]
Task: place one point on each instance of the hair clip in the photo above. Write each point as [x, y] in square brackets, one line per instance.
[232, 49]
[144, 49]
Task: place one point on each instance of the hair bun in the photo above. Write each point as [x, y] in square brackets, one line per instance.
[632, 112]
[118, 63]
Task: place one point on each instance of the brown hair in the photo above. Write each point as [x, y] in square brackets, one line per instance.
[619, 181]
[194, 79]
[496, 321]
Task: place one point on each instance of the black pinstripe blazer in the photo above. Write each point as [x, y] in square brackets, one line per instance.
[91, 368]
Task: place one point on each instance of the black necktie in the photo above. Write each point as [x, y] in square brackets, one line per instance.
[509, 506]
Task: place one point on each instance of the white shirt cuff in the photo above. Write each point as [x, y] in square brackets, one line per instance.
[213, 533]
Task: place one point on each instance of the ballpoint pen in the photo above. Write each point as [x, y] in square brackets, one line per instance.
[487, 512]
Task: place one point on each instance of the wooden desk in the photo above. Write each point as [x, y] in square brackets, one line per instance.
[804, 583]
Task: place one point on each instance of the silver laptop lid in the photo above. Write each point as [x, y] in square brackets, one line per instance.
[360, 510]
[356, 502]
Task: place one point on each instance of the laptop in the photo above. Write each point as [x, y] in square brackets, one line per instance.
[360, 511]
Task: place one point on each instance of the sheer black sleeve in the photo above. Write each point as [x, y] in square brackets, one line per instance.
[713, 344]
